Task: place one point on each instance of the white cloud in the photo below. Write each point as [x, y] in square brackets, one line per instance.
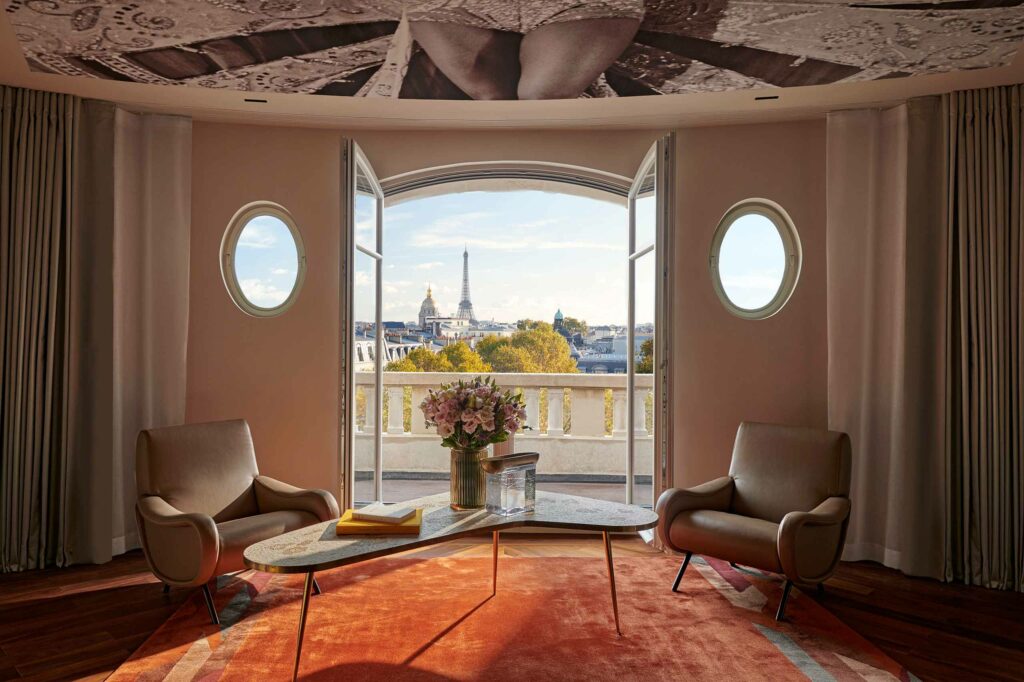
[263, 293]
[429, 266]
[256, 236]
[282, 271]
[513, 243]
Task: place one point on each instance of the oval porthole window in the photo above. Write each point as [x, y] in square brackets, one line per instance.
[755, 259]
[263, 261]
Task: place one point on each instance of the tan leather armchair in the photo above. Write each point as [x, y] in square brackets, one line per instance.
[784, 507]
[202, 501]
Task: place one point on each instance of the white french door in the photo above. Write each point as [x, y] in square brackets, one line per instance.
[647, 463]
[364, 351]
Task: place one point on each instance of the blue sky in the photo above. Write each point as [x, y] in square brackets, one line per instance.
[752, 261]
[266, 261]
[531, 253]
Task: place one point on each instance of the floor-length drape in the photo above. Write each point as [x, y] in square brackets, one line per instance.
[886, 322]
[129, 318]
[37, 146]
[985, 371]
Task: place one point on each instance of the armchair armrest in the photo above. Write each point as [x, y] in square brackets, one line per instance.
[810, 543]
[715, 495]
[273, 495]
[181, 548]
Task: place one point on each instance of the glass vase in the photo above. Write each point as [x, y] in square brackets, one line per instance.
[469, 483]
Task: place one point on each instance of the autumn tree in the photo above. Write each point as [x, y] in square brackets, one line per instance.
[645, 365]
[534, 349]
[420, 360]
[575, 326]
[456, 357]
[464, 359]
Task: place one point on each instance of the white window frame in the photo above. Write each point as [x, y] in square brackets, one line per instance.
[229, 245]
[778, 217]
[455, 177]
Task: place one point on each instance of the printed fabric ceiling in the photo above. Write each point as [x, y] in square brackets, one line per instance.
[395, 49]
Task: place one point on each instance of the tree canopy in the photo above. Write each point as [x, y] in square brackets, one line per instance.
[535, 349]
[457, 357]
[645, 365]
[575, 326]
[538, 349]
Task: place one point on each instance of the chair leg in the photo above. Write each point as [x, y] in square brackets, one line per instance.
[209, 605]
[682, 570]
[316, 587]
[781, 613]
[167, 588]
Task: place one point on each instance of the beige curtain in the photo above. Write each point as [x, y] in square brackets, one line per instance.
[886, 320]
[985, 370]
[129, 317]
[37, 146]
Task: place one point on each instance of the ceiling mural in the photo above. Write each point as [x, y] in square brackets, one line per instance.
[508, 49]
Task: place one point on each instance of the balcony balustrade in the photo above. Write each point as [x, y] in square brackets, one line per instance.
[578, 422]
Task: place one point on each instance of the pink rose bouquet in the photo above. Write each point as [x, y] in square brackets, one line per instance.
[473, 414]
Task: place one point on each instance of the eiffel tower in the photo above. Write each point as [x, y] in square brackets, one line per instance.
[466, 305]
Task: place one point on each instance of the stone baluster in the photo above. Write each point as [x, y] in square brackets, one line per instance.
[371, 408]
[418, 425]
[532, 397]
[619, 416]
[395, 425]
[555, 398]
[640, 412]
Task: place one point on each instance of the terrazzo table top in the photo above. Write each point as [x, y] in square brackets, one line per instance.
[318, 547]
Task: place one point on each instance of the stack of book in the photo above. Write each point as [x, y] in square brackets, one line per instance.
[380, 519]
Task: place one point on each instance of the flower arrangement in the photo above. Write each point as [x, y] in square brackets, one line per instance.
[471, 415]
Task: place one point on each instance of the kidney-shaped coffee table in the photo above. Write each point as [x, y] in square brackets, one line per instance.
[318, 547]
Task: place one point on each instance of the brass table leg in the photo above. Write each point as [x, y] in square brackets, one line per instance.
[307, 590]
[611, 579]
[494, 580]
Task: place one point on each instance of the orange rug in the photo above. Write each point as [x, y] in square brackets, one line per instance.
[434, 619]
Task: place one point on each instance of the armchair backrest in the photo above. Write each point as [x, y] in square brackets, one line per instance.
[780, 469]
[207, 468]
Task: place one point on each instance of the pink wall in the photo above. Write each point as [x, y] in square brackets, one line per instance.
[726, 369]
[280, 373]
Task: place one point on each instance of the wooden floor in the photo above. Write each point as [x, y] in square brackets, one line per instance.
[82, 622]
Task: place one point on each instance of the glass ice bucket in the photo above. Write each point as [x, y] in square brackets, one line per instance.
[511, 483]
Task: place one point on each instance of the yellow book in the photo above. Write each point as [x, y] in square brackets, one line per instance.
[349, 526]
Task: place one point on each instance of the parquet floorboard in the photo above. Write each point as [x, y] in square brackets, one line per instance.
[82, 622]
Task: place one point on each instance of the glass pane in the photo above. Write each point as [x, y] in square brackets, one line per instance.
[365, 211]
[367, 402]
[752, 261]
[266, 261]
[646, 211]
[643, 396]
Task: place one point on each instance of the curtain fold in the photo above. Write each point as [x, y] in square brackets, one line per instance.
[886, 319]
[984, 453]
[95, 212]
[129, 310]
[37, 151]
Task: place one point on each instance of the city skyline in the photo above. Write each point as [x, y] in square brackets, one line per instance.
[529, 251]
